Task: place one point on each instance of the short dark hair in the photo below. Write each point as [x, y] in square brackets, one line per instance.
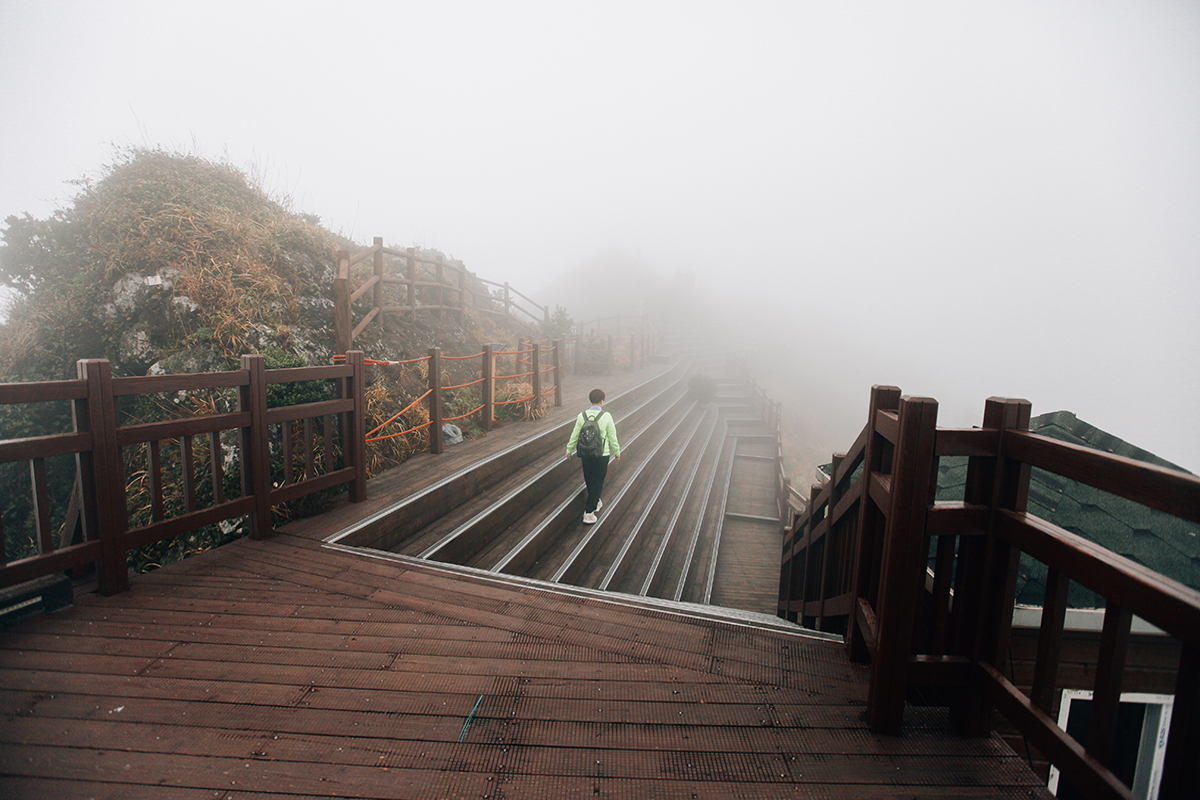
[596, 396]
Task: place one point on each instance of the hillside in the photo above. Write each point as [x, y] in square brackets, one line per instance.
[172, 263]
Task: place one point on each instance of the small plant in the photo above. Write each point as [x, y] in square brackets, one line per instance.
[559, 325]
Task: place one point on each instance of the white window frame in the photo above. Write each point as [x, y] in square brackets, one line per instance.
[1149, 769]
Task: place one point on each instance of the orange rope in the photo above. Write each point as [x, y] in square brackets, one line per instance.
[401, 433]
[522, 375]
[377, 363]
[464, 416]
[394, 416]
[462, 385]
[460, 358]
[510, 402]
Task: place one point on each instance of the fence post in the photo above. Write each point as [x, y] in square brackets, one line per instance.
[377, 294]
[440, 273]
[342, 325]
[987, 569]
[507, 300]
[865, 566]
[826, 555]
[410, 268]
[256, 451]
[489, 386]
[558, 366]
[810, 525]
[536, 359]
[435, 400]
[462, 291]
[102, 482]
[609, 365]
[903, 566]
[355, 445]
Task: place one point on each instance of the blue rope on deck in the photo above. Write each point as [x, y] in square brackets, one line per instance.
[470, 717]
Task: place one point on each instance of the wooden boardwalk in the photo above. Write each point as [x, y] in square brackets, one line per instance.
[286, 669]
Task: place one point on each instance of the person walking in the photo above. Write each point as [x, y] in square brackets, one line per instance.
[594, 440]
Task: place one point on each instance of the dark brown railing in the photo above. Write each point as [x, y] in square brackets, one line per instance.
[430, 285]
[96, 524]
[857, 560]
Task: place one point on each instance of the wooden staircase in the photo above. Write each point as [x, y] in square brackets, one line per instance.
[690, 513]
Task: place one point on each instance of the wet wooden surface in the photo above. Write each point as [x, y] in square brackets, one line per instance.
[284, 668]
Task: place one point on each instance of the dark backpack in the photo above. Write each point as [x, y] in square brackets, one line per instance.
[591, 438]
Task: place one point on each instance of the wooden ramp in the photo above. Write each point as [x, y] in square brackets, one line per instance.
[285, 669]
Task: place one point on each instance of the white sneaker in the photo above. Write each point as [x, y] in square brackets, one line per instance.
[599, 504]
[589, 518]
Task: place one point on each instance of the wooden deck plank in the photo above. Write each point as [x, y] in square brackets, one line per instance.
[286, 669]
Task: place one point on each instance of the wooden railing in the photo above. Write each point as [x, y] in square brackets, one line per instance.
[857, 560]
[604, 354]
[511, 304]
[431, 285]
[96, 527]
[532, 363]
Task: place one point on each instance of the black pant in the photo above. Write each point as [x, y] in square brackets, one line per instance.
[594, 470]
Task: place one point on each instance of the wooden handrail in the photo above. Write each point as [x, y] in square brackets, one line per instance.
[100, 479]
[346, 330]
[958, 634]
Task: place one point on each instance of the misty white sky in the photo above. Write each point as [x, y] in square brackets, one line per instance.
[963, 199]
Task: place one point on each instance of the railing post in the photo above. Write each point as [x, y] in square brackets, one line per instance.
[377, 293]
[1181, 767]
[256, 452]
[102, 482]
[865, 564]
[435, 400]
[609, 365]
[410, 269]
[440, 273]
[536, 359]
[826, 555]
[558, 366]
[355, 445]
[903, 568]
[489, 386]
[987, 571]
[463, 304]
[507, 300]
[342, 323]
[810, 524]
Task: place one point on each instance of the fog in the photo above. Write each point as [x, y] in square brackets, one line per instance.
[962, 199]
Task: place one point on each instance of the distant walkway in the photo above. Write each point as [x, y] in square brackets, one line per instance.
[425, 468]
